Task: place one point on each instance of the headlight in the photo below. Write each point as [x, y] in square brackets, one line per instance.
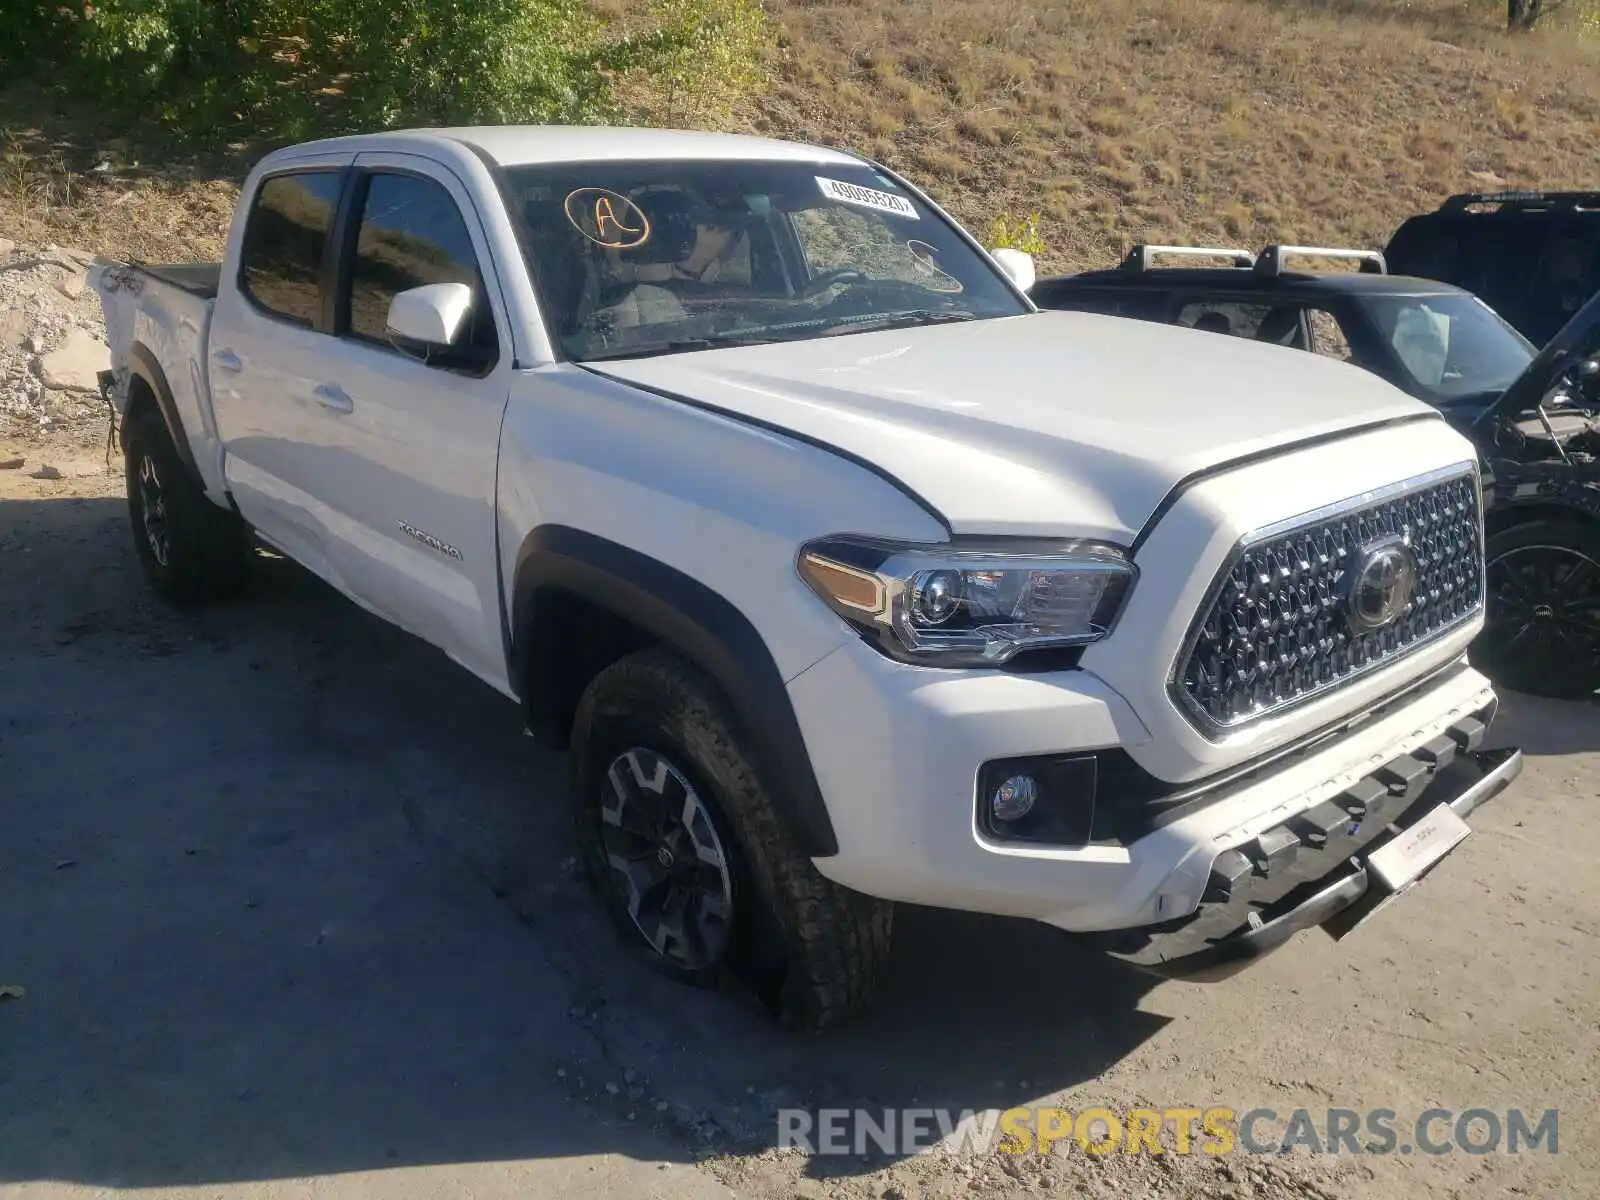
[976, 605]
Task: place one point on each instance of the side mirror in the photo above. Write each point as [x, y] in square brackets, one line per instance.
[429, 318]
[1018, 265]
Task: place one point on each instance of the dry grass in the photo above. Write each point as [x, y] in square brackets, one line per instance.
[62, 183]
[1182, 120]
[1190, 120]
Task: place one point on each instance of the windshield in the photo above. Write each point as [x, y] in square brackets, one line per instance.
[636, 258]
[1454, 347]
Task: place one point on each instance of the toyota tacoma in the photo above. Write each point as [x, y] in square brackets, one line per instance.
[845, 574]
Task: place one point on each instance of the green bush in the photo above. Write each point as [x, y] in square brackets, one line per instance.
[216, 69]
[1017, 233]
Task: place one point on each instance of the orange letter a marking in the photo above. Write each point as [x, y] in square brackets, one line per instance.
[605, 217]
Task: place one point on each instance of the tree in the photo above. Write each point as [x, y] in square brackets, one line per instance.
[1523, 14]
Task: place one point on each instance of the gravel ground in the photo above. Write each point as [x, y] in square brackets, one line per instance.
[294, 907]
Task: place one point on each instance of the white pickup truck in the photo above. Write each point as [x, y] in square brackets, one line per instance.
[847, 576]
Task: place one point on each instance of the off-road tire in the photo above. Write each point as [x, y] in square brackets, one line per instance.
[811, 950]
[206, 549]
[1540, 666]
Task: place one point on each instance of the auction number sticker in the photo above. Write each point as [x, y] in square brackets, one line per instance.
[865, 197]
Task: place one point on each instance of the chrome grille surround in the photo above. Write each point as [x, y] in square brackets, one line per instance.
[1273, 632]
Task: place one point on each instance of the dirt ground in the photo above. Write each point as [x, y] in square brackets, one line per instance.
[293, 905]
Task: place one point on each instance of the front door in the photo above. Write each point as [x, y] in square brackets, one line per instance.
[410, 500]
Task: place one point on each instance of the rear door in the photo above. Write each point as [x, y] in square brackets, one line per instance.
[407, 492]
[269, 323]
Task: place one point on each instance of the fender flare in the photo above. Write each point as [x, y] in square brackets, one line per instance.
[683, 613]
[143, 365]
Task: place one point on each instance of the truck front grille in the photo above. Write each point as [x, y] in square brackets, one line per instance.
[1278, 627]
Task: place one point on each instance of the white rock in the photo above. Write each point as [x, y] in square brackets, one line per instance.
[73, 365]
[71, 286]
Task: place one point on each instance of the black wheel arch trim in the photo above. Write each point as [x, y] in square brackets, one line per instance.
[145, 366]
[706, 628]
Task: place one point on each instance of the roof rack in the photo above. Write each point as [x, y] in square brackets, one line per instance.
[1522, 201]
[1270, 261]
[1141, 256]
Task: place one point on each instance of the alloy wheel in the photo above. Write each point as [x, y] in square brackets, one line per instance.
[667, 859]
[1544, 608]
[153, 509]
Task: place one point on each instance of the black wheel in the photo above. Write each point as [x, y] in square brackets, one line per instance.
[191, 550]
[1542, 634]
[695, 864]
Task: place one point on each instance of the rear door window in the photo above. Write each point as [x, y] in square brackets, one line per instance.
[285, 239]
[1234, 317]
[1329, 337]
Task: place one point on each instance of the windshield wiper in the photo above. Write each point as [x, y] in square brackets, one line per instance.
[902, 320]
[719, 341]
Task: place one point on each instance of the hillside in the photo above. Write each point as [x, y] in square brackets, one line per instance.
[1191, 120]
[1187, 120]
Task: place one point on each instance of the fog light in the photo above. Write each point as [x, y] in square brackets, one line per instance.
[1014, 798]
[1043, 799]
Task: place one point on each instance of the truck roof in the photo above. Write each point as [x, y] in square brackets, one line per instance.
[519, 145]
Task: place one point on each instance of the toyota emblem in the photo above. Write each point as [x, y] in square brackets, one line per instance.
[1382, 581]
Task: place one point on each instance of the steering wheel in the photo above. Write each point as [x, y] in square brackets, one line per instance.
[823, 282]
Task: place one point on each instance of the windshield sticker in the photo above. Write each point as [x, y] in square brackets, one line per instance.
[607, 218]
[865, 197]
[925, 262]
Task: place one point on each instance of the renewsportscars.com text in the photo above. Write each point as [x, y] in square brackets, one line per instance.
[1211, 1131]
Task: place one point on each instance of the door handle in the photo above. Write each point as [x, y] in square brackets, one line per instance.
[226, 360]
[333, 398]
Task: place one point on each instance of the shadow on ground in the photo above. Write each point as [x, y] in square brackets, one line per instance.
[291, 894]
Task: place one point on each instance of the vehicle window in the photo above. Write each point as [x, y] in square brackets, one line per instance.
[1453, 346]
[637, 258]
[280, 261]
[412, 234]
[1224, 316]
[1328, 337]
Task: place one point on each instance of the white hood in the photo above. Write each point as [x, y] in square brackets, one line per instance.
[1050, 424]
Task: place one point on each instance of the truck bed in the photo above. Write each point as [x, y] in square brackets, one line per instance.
[166, 308]
[198, 279]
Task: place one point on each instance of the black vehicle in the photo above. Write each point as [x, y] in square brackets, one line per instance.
[1533, 256]
[1534, 416]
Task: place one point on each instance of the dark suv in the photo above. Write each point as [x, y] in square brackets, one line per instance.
[1534, 415]
[1534, 256]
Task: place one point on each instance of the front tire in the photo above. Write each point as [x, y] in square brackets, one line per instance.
[695, 864]
[1542, 633]
[191, 550]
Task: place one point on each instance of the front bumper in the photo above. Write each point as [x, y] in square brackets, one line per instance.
[897, 751]
[1314, 869]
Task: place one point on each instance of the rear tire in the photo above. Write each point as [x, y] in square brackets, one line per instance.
[1542, 635]
[661, 768]
[191, 550]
